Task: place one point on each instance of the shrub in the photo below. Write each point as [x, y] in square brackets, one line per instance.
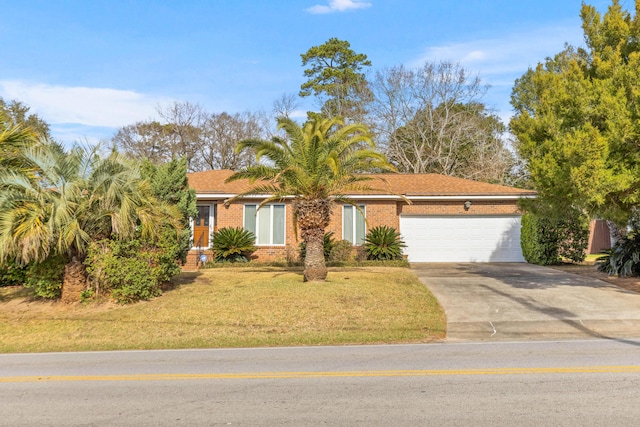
[539, 244]
[130, 271]
[546, 240]
[86, 295]
[624, 258]
[342, 251]
[231, 244]
[292, 255]
[361, 253]
[383, 243]
[327, 245]
[45, 278]
[573, 237]
[12, 274]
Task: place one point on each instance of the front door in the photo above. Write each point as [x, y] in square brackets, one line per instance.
[201, 229]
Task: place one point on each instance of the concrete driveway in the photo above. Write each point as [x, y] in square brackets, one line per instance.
[512, 301]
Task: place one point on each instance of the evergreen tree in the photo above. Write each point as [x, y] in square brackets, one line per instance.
[169, 184]
[18, 114]
[577, 119]
[336, 77]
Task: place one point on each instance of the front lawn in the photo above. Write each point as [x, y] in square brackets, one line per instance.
[235, 307]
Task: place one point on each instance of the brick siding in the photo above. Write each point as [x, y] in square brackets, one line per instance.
[378, 212]
[479, 207]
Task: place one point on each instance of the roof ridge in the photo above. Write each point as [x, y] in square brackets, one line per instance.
[427, 184]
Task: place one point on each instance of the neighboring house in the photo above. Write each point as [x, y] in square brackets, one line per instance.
[447, 220]
[600, 237]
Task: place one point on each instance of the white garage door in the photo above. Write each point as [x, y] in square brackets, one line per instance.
[462, 238]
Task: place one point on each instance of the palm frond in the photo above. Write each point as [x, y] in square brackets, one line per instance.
[320, 159]
[67, 199]
[254, 173]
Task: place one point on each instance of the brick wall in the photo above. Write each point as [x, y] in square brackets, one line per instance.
[378, 212]
[479, 207]
[382, 212]
[229, 216]
[233, 216]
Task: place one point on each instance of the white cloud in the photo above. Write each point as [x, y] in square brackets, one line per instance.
[298, 114]
[85, 135]
[500, 61]
[338, 6]
[511, 53]
[99, 107]
[476, 55]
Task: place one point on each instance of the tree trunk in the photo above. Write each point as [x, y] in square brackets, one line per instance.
[313, 217]
[315, 268]
[74, 281]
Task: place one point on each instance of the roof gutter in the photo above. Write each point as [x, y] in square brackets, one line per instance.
[457, 197]
[473, 197]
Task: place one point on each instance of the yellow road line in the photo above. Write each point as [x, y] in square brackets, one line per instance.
[291, 375]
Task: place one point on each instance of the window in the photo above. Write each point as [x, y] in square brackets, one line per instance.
[267, 223]
[202, 217]
[353, 224]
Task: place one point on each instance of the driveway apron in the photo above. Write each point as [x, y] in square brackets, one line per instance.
[513, 301]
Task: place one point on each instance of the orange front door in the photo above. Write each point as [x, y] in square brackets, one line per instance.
[201, 229]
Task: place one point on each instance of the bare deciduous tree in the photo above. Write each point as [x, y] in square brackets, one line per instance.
[184, 120]
[148, 140]
[430, 119]
[218, 138]
[285, 105]
[205, 140]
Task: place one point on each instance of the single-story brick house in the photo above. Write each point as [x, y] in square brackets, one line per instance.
[447, 220]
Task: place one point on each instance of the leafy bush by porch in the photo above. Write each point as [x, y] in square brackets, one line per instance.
[233, 244]
[342, 252]
[383, 243]
[11, 274]
[129, 271]
[45, 278]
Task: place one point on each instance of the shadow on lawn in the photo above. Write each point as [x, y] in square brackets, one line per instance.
[184, 278]
[254, 269]
[9, 293]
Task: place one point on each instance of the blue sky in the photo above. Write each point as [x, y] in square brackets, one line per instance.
[90, 67]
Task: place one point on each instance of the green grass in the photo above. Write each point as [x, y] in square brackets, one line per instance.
[235, 307]
[284, 264]
[592, 258]
[589, 259]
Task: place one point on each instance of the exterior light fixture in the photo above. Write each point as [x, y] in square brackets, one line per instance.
[467, 205]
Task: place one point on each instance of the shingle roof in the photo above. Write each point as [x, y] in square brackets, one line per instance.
[432, 184]
[213, 182]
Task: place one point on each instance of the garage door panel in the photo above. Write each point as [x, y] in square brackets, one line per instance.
[462, 239]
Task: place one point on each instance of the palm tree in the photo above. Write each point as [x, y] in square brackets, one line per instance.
[13, 138]
[316, 165]
[68, 200]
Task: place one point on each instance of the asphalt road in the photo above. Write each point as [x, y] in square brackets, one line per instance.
[594, 382]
